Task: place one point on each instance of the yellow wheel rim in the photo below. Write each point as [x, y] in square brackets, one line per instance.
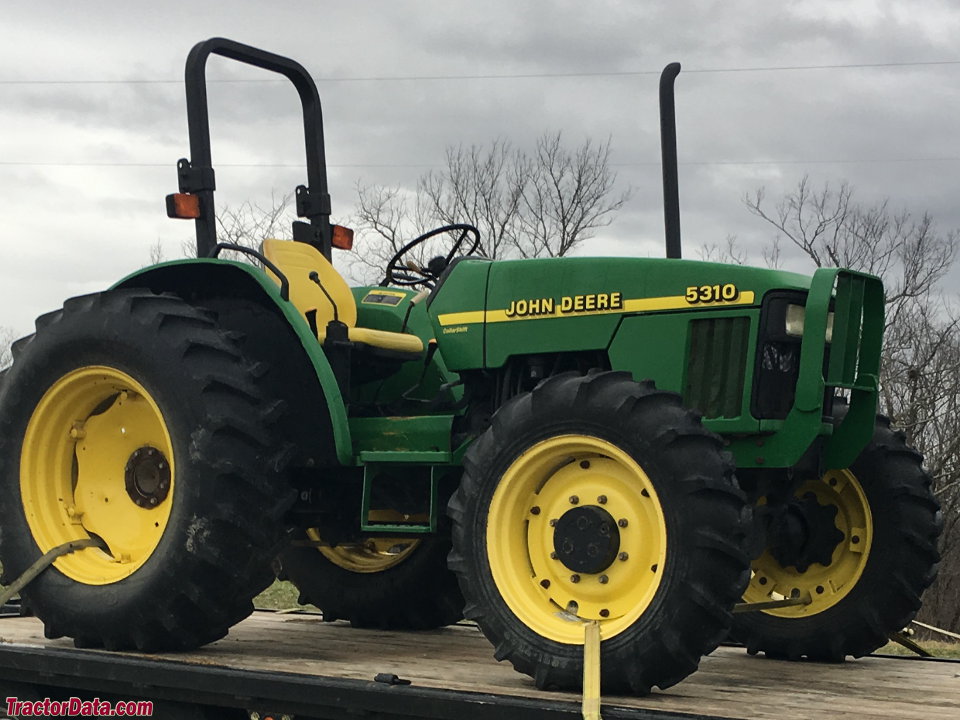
[823, 586]
[542, 485]
[97, 461]
[371, 555]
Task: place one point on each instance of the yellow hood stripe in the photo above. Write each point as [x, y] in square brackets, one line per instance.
[634, 305]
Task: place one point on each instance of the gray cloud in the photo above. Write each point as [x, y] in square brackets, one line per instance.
[76, 229]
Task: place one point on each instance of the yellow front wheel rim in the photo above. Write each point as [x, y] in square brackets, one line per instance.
[534, 496]
[97, 461]
[820, 586]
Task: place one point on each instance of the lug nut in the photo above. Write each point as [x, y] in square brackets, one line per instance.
[553, 522]
[574, 578]
[584, 464]
[603, 579]
[574, 500]
[602, 499]
[622, 522]
[535, 510]
[553, 556]
[604, 613]
[544, 583]
[623, 557]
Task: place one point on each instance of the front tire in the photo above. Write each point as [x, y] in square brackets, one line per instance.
[882, 556]
[598, 498]
[130, 418]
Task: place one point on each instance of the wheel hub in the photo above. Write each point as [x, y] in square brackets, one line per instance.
[147, 477]
[805, 533]
[586, 539]
[831, 512]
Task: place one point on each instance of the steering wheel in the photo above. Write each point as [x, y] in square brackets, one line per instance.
[410, 273]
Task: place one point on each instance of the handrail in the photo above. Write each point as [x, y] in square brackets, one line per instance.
[284, 283]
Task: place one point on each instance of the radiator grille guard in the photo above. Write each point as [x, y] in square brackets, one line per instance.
[850, 362]
[854, 362]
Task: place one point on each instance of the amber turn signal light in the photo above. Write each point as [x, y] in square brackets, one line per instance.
[342, 237]
[183, 205]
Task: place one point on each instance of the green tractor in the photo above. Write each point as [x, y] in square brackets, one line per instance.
[540, 446]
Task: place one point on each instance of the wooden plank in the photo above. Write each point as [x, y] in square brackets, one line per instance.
[729, 684]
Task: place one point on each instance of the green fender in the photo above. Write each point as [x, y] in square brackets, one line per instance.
[240, 279]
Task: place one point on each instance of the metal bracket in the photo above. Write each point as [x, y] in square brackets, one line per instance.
[770, 605]
[311, 203]
[418, 528]
[195, 179]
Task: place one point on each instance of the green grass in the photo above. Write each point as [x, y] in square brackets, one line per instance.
[279, 596]
[934, 647]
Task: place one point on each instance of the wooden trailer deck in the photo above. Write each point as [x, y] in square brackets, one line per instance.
[296, 663]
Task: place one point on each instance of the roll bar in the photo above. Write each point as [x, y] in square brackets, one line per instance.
[196, 176]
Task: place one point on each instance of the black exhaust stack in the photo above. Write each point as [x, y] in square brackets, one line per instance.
[668, 147]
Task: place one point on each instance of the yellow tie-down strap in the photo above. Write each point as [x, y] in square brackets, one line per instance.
[591, 671]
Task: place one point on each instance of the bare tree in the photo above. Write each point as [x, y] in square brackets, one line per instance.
[730, 253]
[482, 187]
[539, 204]
[156, 253]
[920, 367]
[7, 337]
[567, 197]
[248, 225]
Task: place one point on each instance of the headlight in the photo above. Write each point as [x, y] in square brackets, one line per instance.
[794, 319]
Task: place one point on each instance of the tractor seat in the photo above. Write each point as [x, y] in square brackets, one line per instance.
[296, 260]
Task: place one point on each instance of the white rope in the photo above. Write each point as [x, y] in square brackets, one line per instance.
[953, 635]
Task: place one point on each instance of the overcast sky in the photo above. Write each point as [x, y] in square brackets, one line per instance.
[92, 116]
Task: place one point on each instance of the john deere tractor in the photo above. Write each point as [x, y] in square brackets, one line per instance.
[540, 446]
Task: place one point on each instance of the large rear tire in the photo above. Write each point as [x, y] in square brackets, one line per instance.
[880, 522]
[596, 498]
[130, 418]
